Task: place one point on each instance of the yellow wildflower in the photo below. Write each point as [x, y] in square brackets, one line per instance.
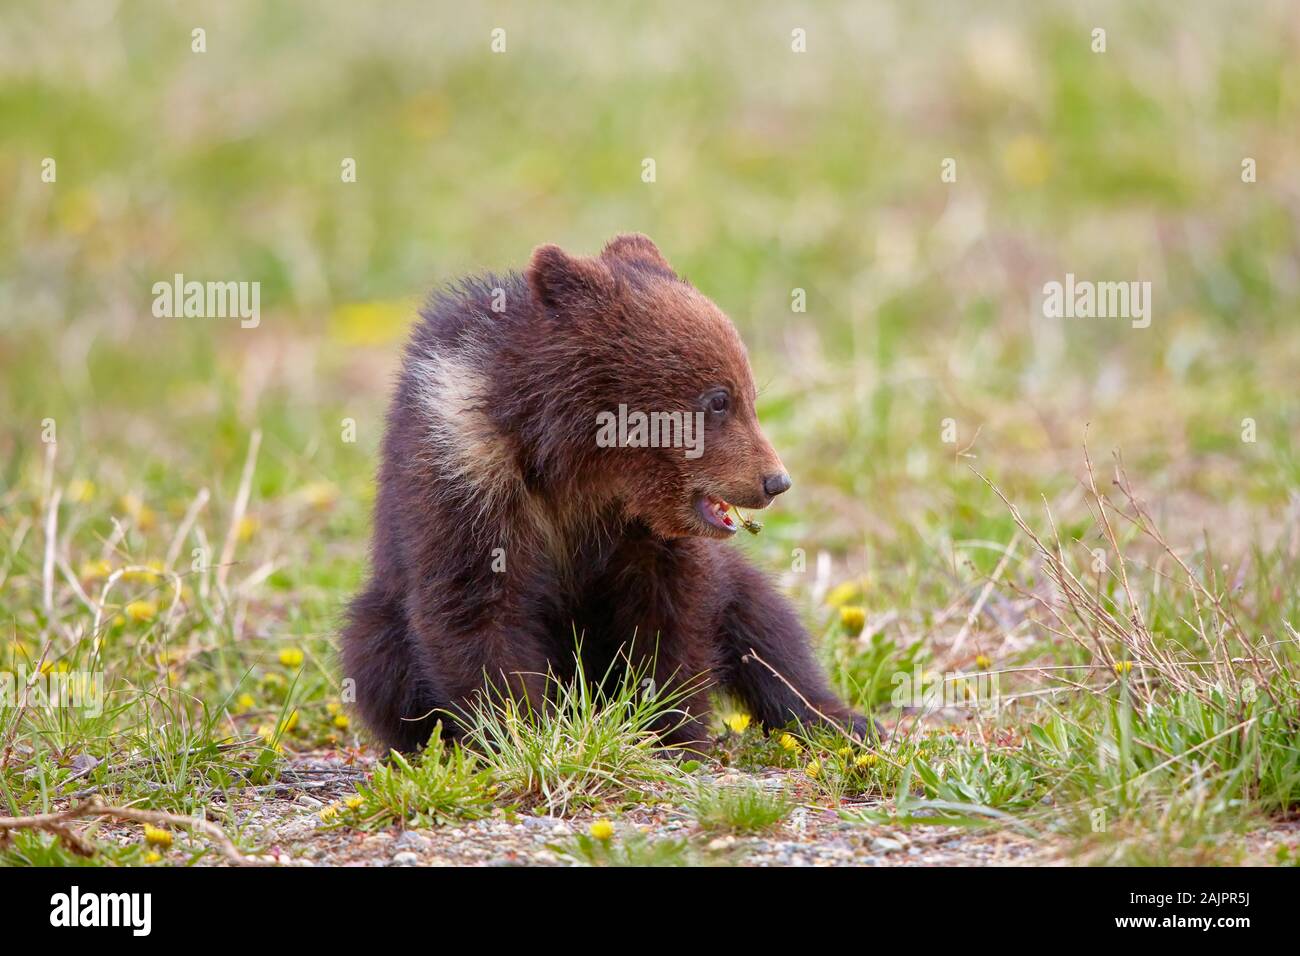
[319, 494]
[94, 570]
[738, 723]
[141, 610]
[329, 813]
[81, 491]
[602, 830]
[244, 702]
[291, 657]
[139, 512]
[865, 760]
[152, 857]
[341, 721]
[353, 803]
[982, 662]
[1123, 667]
[788, 742]
[156, 836]
[814, 768]
[853, 619]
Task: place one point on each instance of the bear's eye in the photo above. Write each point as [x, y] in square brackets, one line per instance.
[717, 402]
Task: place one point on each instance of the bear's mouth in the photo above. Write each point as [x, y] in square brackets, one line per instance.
[716, 513]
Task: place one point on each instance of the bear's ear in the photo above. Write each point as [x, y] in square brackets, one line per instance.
[635, 247]
[559, 280]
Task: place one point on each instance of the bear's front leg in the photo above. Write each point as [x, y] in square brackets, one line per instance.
[483, 666]
[770, 664]
[650, 608]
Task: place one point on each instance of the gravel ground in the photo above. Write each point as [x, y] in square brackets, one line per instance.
[285, 821]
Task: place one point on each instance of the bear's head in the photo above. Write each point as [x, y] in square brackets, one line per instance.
[656, 383]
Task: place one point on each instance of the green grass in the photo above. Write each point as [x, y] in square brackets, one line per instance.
[180, 441]
[443, 784]
[596, 741]
[636, 849]
[742, 809]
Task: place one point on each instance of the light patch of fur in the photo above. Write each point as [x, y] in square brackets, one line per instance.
[470, 454]
[468, 449]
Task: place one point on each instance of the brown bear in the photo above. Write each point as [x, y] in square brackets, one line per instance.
[505, 525]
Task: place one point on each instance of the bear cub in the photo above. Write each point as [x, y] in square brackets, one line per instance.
[512, 514]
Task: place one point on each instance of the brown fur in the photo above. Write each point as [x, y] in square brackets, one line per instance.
[491, 444]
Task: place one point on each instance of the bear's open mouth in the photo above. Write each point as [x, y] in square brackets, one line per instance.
[716, 513]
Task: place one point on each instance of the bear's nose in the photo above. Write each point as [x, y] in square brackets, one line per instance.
[774, 485]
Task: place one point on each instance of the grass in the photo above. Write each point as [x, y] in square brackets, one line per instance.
[744, 809]
[184, 504]
[636, 849]
[597, 740]
[444, 784]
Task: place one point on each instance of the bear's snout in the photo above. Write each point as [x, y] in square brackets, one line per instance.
[776, 484]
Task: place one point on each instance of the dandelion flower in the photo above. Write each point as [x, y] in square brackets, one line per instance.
[141, 610]
[139, 512]
[814, 768]
[329, 813]
[152, 857]
[319, 494]
[983, 663]
[341, 721]
[738, 723]
[853, 619]
[95, 570]
[244, 702]
[865, 760]
[81, 491]
[291, 657]
[157, 836]
[788, 742]
[602, 830]
[353, 803]
[844, 751]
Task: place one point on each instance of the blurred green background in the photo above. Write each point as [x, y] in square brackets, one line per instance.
[776, 171]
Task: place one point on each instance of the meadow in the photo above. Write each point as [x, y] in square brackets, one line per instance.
[1073, 541]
